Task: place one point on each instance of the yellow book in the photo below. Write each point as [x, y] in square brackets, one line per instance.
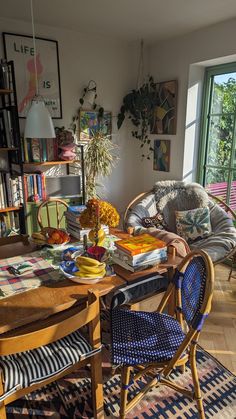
[140, 244]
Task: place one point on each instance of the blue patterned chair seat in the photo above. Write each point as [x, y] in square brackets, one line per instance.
[27, 368]
[143, 337]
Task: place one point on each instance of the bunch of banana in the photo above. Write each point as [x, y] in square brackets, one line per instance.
[39, 238]
[89, 268]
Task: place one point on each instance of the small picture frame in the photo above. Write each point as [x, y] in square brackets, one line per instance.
[90, 122]
[161, 155]
[165, 112]
[20, 49]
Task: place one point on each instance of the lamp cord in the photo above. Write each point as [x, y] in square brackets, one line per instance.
[34, 45]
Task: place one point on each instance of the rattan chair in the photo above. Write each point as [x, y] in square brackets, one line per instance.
[144, 341]
[219, 245]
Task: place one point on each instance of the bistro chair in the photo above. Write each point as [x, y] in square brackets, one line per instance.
[147, 341]
[51, 213]
[32, 357]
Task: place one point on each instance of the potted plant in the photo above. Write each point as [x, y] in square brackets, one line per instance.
[99, 159]
[139, 106]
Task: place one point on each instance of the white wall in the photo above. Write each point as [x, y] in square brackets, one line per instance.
[112, 64]
[176, 59]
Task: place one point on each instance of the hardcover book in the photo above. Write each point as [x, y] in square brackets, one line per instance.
[140, 244]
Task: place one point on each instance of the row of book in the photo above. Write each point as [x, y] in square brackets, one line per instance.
[39, 150]
[9, 224]
[139, 252]
[34, 187]
[8, 127]
[11, 192]
[73, 226]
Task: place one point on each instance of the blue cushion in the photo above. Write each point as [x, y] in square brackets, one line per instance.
[140, 337]
[26, 368]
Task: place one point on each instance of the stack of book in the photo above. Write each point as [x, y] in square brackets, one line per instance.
[34, 186]
[37, 150]
[11, 193]
[139, 252]
[73, 225]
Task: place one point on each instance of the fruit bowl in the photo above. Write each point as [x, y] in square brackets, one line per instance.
[50, 237]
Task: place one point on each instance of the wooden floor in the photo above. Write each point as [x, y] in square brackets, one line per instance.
[218, 336]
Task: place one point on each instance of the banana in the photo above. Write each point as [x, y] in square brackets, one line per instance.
[90, 276]
[83, 260]
[92, 269]
[38, 236]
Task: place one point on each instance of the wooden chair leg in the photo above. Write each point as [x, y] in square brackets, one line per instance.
[97, 386]
[197, 389]
[3, 414]
[125, 376]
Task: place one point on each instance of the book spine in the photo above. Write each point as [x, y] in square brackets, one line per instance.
[20, 190]
[7, 128]
[136, 259]
[29, 148]
[25, 188]
[39, 186]
[26, 150]
[9, 191]
[44, 194]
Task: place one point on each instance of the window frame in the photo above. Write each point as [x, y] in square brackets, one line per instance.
[210, 72]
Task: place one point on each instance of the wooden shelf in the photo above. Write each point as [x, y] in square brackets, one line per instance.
[6, 91]
[50, 163]
[8, 148]
[8, 209]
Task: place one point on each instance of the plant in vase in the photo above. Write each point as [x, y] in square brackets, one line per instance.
[99, 159]
[96, 214]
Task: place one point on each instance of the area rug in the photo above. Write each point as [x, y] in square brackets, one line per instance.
[70, 397]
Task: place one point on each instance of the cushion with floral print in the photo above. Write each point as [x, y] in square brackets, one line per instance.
[155, 221]
[193, 224]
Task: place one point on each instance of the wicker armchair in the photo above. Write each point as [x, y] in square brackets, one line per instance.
[221, 245]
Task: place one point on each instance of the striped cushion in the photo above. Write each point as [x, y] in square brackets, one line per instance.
[26, 368]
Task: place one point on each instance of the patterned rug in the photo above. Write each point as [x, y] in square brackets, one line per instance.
[70, 397]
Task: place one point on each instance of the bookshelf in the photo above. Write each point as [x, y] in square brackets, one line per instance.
[12, 216]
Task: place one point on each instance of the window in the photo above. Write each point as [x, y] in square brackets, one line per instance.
[217, 167]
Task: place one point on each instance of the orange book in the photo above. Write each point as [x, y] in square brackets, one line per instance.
[140, 244]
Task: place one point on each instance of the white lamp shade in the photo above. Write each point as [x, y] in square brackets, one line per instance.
[38, 121]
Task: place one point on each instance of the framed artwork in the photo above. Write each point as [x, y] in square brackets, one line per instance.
[165, 112]
[90, 122]
[19, 48]
[161, 155]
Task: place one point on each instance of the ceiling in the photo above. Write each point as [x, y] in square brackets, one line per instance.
[128, 20]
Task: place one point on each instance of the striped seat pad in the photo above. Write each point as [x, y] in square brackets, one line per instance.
[140, 337]
[26, 368]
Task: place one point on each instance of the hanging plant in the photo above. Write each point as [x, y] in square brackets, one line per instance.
[139, 106]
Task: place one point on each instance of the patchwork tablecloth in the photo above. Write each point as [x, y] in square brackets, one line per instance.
[42, 272]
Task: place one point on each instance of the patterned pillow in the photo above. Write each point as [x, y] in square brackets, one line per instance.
[193, 224]
[156, 221]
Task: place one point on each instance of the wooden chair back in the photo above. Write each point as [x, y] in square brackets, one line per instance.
[50, 330]
[55, 209]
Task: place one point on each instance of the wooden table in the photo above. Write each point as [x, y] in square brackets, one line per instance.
[47, 300]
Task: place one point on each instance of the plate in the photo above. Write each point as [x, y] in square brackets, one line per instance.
[81, 280]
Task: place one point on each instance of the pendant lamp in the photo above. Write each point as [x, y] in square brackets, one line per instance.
[38, 121]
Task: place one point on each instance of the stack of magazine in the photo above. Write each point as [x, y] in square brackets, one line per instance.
[139, 252]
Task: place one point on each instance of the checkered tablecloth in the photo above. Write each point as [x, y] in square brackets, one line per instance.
[42, 273]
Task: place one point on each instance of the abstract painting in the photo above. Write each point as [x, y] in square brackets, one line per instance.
[29, 70]
[90, 122]
[165, 112]
[161, 156]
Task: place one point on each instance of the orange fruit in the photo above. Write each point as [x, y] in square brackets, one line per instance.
[55, 235]
[50, 240]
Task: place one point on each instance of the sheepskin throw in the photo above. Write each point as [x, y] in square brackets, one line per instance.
[172, 195]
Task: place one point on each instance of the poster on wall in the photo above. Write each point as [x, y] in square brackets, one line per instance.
[19, 48]
[161, 155]
[90, 122]
[165, 112]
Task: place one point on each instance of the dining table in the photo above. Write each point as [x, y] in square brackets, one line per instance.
[36, 305]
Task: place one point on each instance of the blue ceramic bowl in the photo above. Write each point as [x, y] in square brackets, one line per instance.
[69, 267]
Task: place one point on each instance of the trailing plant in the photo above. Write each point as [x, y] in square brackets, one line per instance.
[94, 105]
[139, 106]
[99, 159]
